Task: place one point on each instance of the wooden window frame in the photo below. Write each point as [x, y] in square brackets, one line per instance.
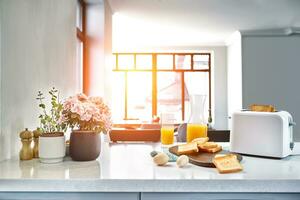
[155, 70]
[82, 36]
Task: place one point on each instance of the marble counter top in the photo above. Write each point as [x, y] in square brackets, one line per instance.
[129, 168]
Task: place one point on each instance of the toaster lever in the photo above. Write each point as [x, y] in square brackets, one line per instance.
[292, 144]
[292, 123]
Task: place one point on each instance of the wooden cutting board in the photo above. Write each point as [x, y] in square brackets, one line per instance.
[202, 158]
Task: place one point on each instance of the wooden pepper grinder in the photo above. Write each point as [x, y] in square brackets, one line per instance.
[26, 139]
[36, 135]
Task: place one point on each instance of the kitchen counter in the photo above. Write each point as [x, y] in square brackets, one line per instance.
[129, 168]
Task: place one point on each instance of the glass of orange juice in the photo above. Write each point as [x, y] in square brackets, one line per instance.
[167, 135]
[167, 129]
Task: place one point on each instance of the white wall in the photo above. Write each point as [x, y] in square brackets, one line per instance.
[1, 137]
[271, 68]
[234, 74]
[38, 51]
[219, 87]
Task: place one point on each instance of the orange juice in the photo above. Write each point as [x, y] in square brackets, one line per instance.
[167, 135]
[195, 131]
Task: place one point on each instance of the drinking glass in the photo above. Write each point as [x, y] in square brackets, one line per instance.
[167, 128]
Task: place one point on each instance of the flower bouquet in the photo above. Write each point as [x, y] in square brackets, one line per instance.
[86, 116]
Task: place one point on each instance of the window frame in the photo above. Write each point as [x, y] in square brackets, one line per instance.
[82, 37]
[155, 70]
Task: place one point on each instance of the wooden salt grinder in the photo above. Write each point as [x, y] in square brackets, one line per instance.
[36, 135]
[26, 139]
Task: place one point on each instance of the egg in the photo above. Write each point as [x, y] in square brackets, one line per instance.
[161, 159]
[182, 161]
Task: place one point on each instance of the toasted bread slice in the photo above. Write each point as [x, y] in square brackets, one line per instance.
[212, 150]
[188, 148]
[201, 140]
[227, 164]
[219, 155]
[262, 108]
[222, 155]
[208, 145]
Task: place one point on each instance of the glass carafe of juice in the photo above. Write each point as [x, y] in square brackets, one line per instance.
[196, 126]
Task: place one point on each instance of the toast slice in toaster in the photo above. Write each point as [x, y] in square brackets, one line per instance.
[227, 164]
[262, 108]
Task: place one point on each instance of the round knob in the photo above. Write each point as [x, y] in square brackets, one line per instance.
[37, 132]
[26, 134]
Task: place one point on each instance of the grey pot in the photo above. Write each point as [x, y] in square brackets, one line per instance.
[85, 145]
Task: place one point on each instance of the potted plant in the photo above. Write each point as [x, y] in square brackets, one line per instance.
[87, 117]
[52, 147]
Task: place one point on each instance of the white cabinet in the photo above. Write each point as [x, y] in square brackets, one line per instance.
[219, 196]
[144, 196]
[68, 196]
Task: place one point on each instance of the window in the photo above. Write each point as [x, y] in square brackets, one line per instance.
[147, 84]
[81, 40]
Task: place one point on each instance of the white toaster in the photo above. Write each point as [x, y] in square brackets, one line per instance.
[267, 134]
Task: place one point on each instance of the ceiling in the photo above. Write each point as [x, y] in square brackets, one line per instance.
[197, 22]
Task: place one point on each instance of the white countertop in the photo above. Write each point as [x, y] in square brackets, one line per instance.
[129, 168]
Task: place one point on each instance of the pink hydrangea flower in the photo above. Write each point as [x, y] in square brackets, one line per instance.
[87, 113]
[86, 116]
[77, 108]
[82, 97]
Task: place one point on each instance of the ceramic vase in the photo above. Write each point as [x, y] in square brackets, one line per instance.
[85, 145]
[52, 147]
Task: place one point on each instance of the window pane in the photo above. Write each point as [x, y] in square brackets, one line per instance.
[126, 61]
[118, 96]
[201, 61]
[144, 61]
[164, 62]
[169, 94]
[196, 83]
[183, 62]
[140, 95]
[79, 16]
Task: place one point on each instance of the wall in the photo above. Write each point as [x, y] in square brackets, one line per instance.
[219, 86]
[271, 68]
[234, 74]
[1, 137]
[38, 51]
[108, 50]
[99, 31]
[95, 33]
